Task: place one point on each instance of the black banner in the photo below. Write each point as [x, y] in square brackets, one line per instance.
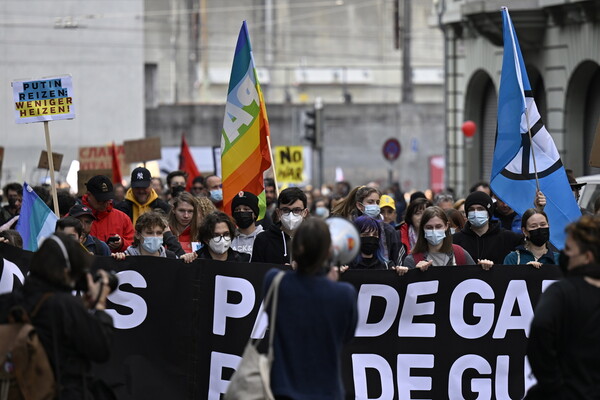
[449, 332]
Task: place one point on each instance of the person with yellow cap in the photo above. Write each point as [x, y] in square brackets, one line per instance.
[387, 207]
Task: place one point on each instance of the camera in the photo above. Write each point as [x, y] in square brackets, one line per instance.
[113, 281]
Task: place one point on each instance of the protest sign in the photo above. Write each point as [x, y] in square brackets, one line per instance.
[99, 157]
[46, 99]
[142, 150]
[449, 332]
[43, 161]
[289, 164]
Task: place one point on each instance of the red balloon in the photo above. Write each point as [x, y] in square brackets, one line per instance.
[469, 128]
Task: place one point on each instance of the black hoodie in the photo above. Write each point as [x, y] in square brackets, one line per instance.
[272, 246]
[493, 245]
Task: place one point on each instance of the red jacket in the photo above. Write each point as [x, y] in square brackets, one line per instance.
[110, 222]
[185, 239]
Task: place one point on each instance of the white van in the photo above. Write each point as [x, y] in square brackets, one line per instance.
[590, 192]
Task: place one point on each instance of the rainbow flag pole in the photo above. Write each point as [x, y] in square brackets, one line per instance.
[245, 140]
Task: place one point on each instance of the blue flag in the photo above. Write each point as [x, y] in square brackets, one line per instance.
[513, 173]
[37, 221]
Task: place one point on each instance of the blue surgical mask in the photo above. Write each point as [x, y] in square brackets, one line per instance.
[478, 218]
[217, 194]
[322, 212]
[435, 236]
[152, 243]
[372, 210]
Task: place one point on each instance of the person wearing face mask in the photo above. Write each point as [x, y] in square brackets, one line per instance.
[320, 208]
[214, 186]
[482, 238]
[273, 246]
[365, 200]
[563, 347]
[245, 212]
[371, 255]
[148, 238]
[216, 233]
[434, 243]
[535, 251]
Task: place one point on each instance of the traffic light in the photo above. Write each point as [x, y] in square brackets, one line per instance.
[310, 126]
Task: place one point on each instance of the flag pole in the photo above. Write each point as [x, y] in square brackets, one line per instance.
[51, 166]
[537, 182]
[273, 166]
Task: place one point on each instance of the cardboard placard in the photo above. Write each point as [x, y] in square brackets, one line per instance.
[595, 154]
[56, 158]
[142, 150]
[85, 175]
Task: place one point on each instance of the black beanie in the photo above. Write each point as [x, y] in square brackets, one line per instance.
[246, 199]
[482, 199]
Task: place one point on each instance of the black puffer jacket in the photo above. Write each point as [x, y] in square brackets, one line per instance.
[493, 245]
[82, 337]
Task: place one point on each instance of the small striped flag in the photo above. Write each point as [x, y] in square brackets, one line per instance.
[37, 221]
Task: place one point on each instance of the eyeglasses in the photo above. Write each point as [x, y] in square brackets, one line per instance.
[218, 238]
[287, 211]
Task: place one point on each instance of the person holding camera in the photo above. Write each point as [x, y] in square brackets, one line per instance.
[74, 331]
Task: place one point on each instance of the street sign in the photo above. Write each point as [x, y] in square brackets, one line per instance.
[392, 149]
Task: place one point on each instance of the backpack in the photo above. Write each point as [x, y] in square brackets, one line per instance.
[459, 255]
[25, 371]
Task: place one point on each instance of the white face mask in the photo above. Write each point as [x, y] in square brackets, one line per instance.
[291, 221]
[478, 218]
[152, 243]
[221, 246]
[435, 236]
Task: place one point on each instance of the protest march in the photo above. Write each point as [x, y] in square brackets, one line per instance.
[239, 272]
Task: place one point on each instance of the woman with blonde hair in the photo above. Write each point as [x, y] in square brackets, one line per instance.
[183, 220]
[205, 207]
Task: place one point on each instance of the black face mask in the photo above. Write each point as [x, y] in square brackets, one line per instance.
[243, 219]
[369, 245]
[12, 202]
[539, 236]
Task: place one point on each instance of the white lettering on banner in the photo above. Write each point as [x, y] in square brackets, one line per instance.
[483, 386]
[547, 283]
[411, 309]
[529, 378]
[219, 361]
[365, 295]
[131, 300]
[516, 292]
[485, 311]
[7, 280]
[235, 117]
[360, 363]
[261, 323]
[501, 384]
[223, 309]
[408, 383]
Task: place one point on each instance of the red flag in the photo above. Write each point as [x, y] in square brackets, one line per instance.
[116, 165]
[187, 164]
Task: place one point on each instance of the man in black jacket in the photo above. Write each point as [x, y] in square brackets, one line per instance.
[274, 244]
[482, 238]
[141, 198]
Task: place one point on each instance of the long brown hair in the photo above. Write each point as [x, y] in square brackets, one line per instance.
[422, 245]
[184, 197]
[347, 207]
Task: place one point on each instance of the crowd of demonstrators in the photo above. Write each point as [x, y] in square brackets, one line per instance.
[274, 244]
[434, 243]
[536, 249]
[563, 347]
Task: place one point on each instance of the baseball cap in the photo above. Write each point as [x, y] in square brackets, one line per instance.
[101, 188]
[140, 178]
[79, 209]
[387, 201]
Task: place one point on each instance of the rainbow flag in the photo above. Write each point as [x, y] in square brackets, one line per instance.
[245, 152]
